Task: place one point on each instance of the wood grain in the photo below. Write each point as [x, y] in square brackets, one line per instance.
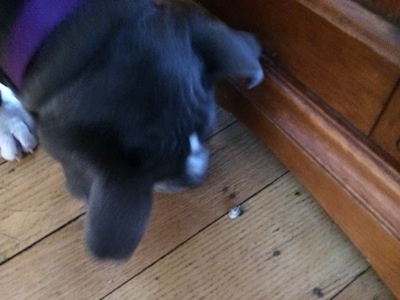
[281, 234]
[377, 34]
[359, 190]
[347, 56]
[59, 266]
[342, 154]
[30, 202]
[350, 58]
[387, 131]
[389, 9]
[366, 286]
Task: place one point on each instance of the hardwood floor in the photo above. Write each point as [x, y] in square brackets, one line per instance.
[283, 246]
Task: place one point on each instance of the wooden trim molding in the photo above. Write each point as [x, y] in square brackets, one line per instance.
[378, 34]
[387, 130]
[357, 186]
[341, 51]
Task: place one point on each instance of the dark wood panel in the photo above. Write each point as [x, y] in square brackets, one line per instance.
[387, 131]
[332, 53]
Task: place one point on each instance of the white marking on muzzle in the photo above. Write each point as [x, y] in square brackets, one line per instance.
[197, 160]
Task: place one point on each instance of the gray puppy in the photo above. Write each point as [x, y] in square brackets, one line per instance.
[122, 93]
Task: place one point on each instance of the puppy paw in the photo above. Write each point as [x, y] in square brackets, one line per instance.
[16, 127]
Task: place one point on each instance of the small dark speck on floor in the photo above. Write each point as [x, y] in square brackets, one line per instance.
[318, 292]
[232, 196]
[276, 253]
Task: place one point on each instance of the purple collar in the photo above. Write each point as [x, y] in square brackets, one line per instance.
[36, 21]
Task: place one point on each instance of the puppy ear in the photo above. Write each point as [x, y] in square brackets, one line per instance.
[118, 214]
[227, 52]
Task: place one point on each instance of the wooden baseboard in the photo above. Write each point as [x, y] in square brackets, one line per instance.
[358, 188]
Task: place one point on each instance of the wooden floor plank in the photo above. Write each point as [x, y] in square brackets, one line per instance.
[224, 119]
[367, 286]
[283, 247]
[58, 267]
[33, 202]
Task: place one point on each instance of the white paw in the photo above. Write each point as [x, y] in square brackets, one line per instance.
[16, 127]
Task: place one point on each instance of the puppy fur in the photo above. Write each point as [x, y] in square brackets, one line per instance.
[123, 96]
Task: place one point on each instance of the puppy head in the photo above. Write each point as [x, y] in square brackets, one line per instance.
[144, 122]
[120, 199]
[117, 181]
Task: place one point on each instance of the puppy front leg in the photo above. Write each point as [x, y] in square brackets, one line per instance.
[16, 127]
[79, 179]
[119, 208]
